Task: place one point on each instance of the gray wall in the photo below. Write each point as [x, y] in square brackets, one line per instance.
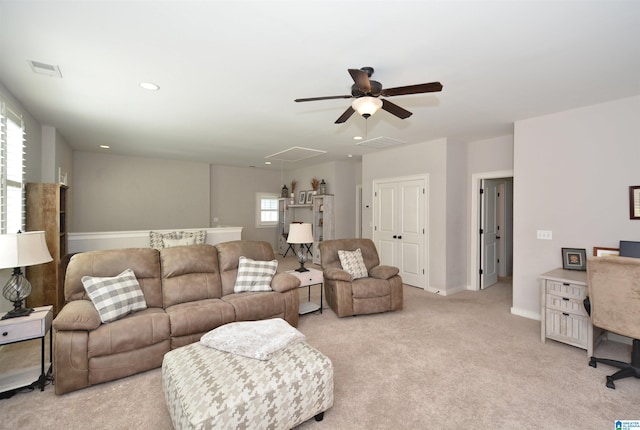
[116, 193]
[572, 171]
[233, 192]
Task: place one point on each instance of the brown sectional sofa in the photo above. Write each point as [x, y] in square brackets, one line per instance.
[189, 290]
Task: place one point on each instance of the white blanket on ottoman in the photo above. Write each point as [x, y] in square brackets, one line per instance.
[253, 339]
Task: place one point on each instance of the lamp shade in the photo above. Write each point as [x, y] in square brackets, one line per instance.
[300, 233]
[366, 106]
[23, 249]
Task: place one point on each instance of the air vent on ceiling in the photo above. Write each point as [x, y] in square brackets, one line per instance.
[295, 153]
[45, 69]
[380, 142]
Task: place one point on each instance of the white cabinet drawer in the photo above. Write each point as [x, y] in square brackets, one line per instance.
[566, 289]
[567, 328]
[566, 304]
[20, 331]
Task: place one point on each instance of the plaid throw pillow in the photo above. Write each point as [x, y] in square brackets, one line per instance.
[352, 262]
[254, 275]
[115, 297]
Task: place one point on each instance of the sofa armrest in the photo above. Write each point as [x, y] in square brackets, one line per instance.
[77, 315]
[383, 272]
[337, 274]
[282, 282]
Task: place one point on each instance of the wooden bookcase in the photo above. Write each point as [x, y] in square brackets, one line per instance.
[47, 211]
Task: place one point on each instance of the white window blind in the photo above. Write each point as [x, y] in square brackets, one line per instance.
[12, 170]
[267, 210]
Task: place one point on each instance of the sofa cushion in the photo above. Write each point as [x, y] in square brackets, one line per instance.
[132, 332]
[199, 317]
[370, 287]
[254, 275]
[257, 306]
[115, 297]
[353, 263]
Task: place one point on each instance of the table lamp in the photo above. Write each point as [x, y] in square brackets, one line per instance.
[18, 250]
[300, 233]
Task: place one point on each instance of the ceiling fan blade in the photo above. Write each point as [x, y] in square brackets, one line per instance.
[395, 109]
[361, 78]
[431, 87]
[345, 116]
[313, 99]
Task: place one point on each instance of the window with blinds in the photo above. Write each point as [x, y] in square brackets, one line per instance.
[11, 170]
[266, 210]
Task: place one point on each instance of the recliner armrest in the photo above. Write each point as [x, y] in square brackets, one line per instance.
[77, 315]
[337, 274]
[383, 272]
[282, 282]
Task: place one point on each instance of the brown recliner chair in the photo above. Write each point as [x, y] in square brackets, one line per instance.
[380, 291]
[614, 295]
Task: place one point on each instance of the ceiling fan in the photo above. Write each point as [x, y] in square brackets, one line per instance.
[366, 93]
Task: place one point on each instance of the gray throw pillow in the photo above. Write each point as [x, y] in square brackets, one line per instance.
[254, 275]
[115, 297]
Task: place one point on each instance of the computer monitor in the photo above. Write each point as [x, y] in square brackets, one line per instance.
[629, 249]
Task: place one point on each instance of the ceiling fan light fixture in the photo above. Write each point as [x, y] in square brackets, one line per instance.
[366, 106]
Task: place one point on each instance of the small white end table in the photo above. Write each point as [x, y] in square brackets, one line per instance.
[308, 279]
[33, 326]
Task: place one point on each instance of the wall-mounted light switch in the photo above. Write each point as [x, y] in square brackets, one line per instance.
[545, 234]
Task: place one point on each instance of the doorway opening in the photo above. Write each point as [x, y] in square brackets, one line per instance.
[491, 228]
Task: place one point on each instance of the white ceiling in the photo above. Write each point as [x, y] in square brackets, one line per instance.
[230, 70]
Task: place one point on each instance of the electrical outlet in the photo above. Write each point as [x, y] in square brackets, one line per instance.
[545, 234]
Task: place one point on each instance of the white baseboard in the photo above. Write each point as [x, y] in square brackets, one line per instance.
[526, 314]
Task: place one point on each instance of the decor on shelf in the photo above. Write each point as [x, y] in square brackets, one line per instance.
[315, 184]
[634, 202]
[310, 197]
[574, 259]
[302, 197]
[300, 233]
[18, 250]
[293, 188]
[323, 187]
[285, 191]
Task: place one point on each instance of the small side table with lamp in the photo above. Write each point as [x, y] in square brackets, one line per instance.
[301, 234]
[21, 323]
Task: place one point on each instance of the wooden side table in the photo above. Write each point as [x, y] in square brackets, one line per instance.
[33, 326]
[308, 279]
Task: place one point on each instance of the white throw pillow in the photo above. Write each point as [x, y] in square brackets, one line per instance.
[353, 263]
[199, 236]
[254, 275]
[156, 238]
[115, 297]
[168, 243]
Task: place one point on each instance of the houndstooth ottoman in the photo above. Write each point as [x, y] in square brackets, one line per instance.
[210, 389]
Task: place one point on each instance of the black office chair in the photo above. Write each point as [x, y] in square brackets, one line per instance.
[614, 299]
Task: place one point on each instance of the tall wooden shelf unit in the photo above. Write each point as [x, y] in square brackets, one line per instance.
[47, 211]
[323, 222]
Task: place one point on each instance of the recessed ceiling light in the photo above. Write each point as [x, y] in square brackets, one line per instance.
[357, 138]
[149, 86]
[105, 146]
[267, 162]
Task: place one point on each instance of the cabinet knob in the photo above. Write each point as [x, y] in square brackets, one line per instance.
[399, 237]
[565, 299]
[4, 333]
[395, 236]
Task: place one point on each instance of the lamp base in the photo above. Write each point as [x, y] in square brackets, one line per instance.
[15, 313]
[302, 269]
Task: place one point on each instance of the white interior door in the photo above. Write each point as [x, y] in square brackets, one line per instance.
[399, 227]
[489, 233]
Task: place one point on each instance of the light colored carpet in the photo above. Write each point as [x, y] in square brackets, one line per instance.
[443, 362]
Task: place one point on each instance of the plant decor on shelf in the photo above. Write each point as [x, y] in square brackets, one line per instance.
[315, 183]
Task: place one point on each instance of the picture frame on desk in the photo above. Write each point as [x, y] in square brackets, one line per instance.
[574, 259]
[599, 251]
